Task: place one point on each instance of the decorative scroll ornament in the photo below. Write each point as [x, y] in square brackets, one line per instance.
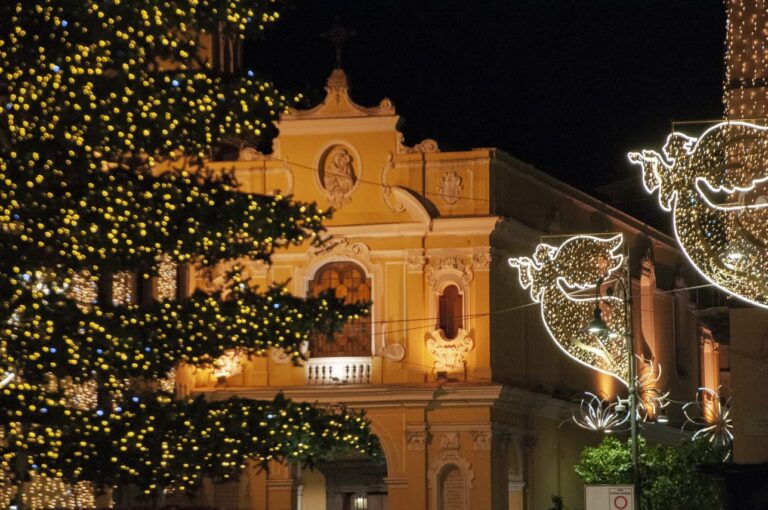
[579, 263]
[426, 146]
[710, 417]
[715, 186]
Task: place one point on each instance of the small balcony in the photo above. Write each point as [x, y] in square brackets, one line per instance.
[339, 370]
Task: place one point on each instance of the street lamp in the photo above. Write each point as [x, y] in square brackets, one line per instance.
[598, 327]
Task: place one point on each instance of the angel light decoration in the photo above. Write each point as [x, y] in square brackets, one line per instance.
[716, 188]
[564, 280]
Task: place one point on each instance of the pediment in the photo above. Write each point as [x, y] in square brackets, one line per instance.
[338, 103]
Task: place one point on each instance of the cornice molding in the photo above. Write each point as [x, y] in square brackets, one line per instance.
[370, 396]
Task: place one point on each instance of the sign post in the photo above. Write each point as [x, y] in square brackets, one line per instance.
[609, 497]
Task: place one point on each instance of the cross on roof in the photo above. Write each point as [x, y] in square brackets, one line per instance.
[337, 36]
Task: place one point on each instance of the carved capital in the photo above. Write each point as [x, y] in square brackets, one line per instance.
[415, 261]
[481, 259]
[416, 439]
[449, 441]
[481, 440]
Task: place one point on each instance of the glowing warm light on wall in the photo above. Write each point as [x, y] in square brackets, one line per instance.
[715, 186]
[579, 263]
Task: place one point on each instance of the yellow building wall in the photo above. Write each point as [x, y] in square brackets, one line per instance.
[417, 219]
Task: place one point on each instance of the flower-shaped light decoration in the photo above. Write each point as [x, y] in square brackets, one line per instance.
[710, 417]
[716, 186]
[580, 262]
[650, 397]
[601, 416]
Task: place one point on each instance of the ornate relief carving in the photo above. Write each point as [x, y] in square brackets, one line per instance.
[481, 259]
[251, 154]
[481, 440]
[449, 441]
[450, 187]
[424, 147]
[449, 354]
[453, 264]
[417, 439]
[337, 174]
[415, 261]
[341, 246]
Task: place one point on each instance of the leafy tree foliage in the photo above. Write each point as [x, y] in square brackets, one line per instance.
[109, 116]
[670, 475]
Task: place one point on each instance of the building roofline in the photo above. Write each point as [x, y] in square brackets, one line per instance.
[583, 198]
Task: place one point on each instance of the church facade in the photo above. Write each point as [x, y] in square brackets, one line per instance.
[465, 390]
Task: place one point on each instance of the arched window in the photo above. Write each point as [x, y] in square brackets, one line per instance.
[451, 312]
[350, 283]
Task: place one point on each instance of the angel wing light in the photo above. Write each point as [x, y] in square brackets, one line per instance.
[716, 187]
[579, 263]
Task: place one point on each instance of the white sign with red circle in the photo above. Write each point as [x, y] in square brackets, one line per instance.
[609, 497]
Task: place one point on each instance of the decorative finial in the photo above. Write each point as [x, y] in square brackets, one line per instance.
[338, 35]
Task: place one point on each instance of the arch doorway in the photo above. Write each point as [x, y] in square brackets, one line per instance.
[347, 481]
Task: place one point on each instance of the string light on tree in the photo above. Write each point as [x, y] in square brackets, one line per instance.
[104, 188]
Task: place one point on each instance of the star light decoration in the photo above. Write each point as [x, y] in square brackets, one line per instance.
[109, 113]
[563, 280]
[716, 187]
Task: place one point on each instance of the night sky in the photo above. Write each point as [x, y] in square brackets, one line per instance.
[567, 85]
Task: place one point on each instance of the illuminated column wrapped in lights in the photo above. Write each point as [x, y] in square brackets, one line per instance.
[745, 88]
[715, 188]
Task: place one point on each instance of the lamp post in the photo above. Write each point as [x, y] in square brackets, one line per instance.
[598, 327]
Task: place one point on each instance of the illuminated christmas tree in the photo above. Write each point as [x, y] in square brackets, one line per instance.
[109, 117]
